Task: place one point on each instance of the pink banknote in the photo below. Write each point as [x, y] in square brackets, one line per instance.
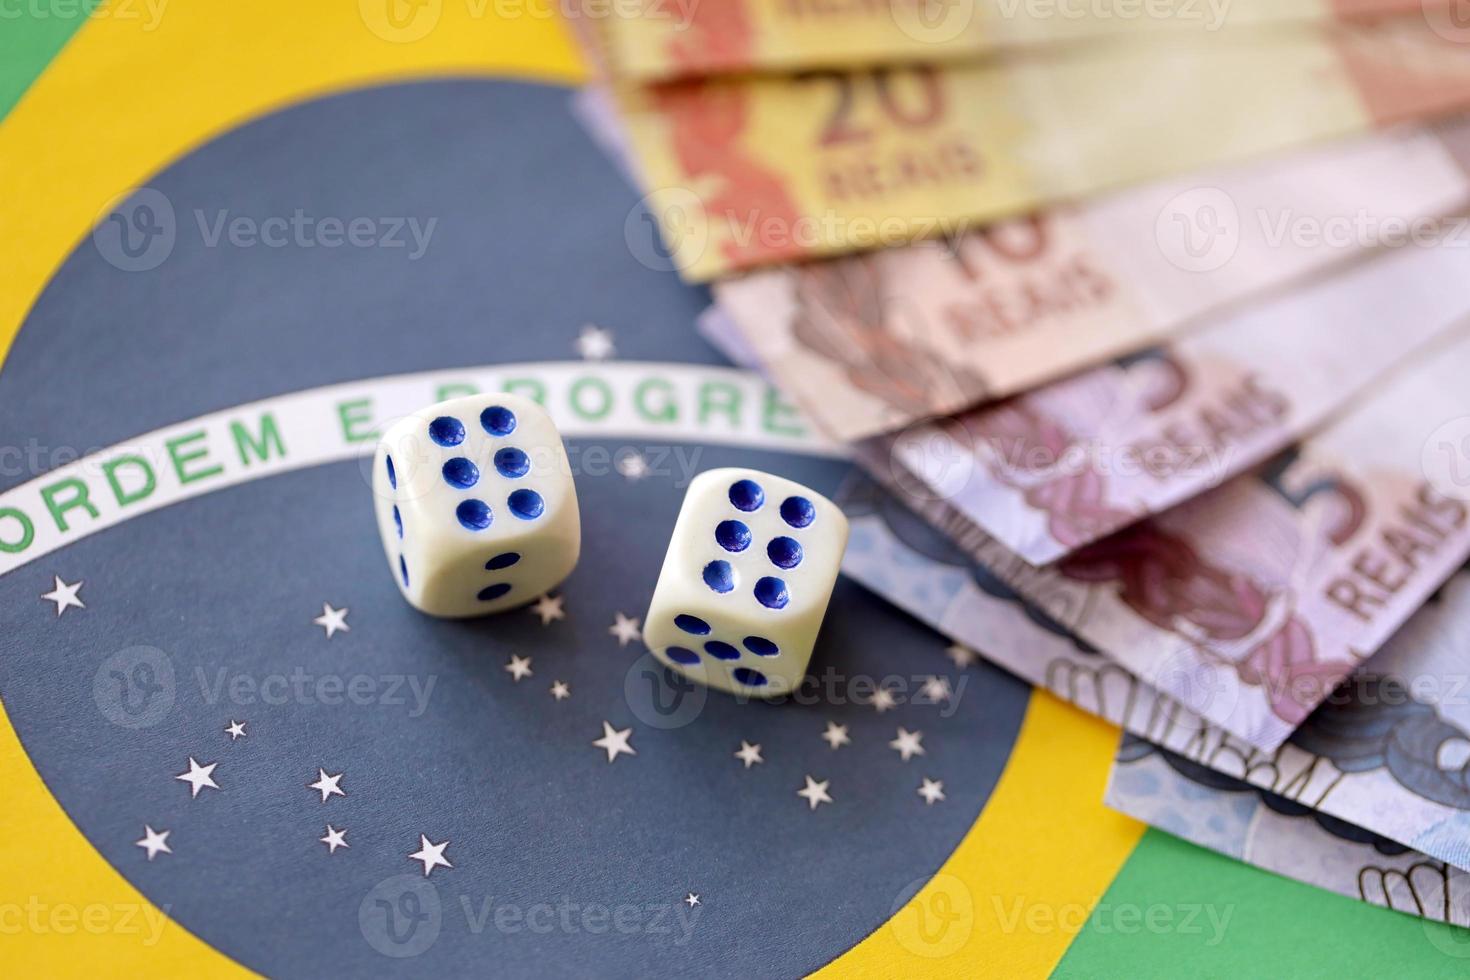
[1065, 465]
[1248, 604]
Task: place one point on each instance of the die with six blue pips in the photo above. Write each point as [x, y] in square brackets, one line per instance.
[746, 582]
[476, 505]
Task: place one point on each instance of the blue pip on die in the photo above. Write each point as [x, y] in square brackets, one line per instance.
[476, 505]
[746, 582]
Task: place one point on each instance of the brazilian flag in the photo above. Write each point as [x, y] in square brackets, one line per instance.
[239, 239]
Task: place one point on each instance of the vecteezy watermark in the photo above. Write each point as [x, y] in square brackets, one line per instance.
[401, 21]
[1366, 689]
[937, 459]
[1451, 940]
[1199, 230]
[1209, 689]
[1203, 229]
[1016, 915]
[411, 692]
[649, 461]
[926, 21]
[403, 916]
[662, 697]
[1214, 689]
[131, 471]
[669, 229]
[135, 687]
[1445, 459]
[1362, 229]
[139, 230]
[1209, 15]
[136, 231]
[663, 922]
[415, 451]
[1450, 19]
[933, 917]
[145, 13]
[301, 230]
[33, 458]
[412, 454]
[943, 21]
[407, 21]
[41, 918]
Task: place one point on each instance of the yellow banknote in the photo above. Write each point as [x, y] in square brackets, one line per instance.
[662, 39]
[754, 170]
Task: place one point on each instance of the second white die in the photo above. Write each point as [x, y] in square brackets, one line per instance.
[746, 581]
[476, 505]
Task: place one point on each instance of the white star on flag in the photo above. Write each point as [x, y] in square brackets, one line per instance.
[198, 777]
[235, 729]
[560, 690]
[154, 842]
[883, 700]
[749, 754]
[64, 595]
[691, 900]
[595, 344]
[334, 839]
[936, 689]
[327, 785]
[548, 607]
[632, 466]
[519, 667]
[962, 655]
[907, 744]
[625, 628]
[432, 855]
[332, 620]
[615, 742]
[836, 735]
[814, 792]
[932, 790]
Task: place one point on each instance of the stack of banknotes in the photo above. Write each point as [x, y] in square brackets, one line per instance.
[1151, 335]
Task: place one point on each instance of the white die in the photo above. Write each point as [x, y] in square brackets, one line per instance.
[746, 582]
[476, 505]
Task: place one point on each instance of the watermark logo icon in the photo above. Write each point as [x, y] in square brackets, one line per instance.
[1446, 458]
[934, 21]
[1199, 230]
[401, 21]
[662, 698]
[134, 688]
[1209, 690]
[667, 230]
[401, 916]
[136, 231]
[934, 917]
[933, 459]
[1452, 941]
[1450, 19]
